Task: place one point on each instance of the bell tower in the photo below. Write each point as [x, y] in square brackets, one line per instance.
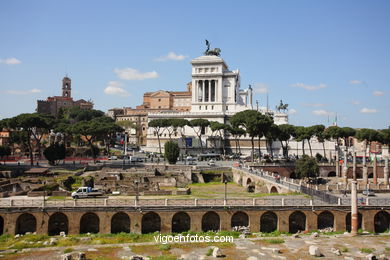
[66, 87]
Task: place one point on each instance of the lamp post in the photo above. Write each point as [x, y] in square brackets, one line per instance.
[225, 197]
[136, 191]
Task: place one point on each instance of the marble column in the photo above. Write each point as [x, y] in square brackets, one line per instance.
[375, 172]
[365, 171]
[354, 209]
[337, 163]
[386, 171]
[354, 166]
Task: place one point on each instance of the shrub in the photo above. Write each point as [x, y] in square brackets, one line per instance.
[172, 151]
[274, 241]
[366, 250]
[209, 252]
[68, 250]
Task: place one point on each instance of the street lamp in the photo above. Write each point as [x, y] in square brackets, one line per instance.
[225, 189]
[136, 191]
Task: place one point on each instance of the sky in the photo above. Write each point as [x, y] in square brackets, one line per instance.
[326, 59]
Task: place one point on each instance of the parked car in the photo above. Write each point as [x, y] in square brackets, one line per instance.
[113, 157]
[368, 192]
[86, 192]
[135, 159]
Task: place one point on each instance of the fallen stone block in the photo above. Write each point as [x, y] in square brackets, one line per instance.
[314, 251]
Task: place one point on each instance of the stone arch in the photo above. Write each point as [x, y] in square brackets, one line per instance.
[296, 222]
[26, 223]
[89, 223]
[151, 222]
[1, 225]
[248, 181]
[348, 221]
[325, 220]
[58, 222]
[181, 222]
[268, 222]
[273, 190]
[210, 221]
[120, 222]
[240, 219]
[381, 221]
[332, 174]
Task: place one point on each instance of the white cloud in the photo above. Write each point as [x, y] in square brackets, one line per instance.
[171, 56]
[24, 92]
[114, 88]
[378, 93]
[292, 111]
[356, 102]
[355, 82]
[309, 87]
[260, 88]
[368, 110]
[10, 61]
[133, 74]
[322, 112]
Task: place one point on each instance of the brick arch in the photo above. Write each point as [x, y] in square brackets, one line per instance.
[268, 222]
[120, 222]
[325, 220]
[240, 219]
[381, 221]
[211, 221]
[58, 222]
[181, 222]
[273, 189]
[151, 222]
[248, 181]
[89, 223]
[296, 222]
[331, 174]
[26, 222]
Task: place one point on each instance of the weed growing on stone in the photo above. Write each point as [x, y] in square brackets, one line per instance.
[274, 241]
[209, 252]
[366, 250]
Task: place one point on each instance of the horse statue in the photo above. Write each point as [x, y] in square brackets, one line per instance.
[282, 107]
[213, 52]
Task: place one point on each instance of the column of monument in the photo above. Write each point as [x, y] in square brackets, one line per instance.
[337, 163]
[354, 209]
[354, 166]
[365, 171]
[345, 167]
[386, 171]
[375, 173]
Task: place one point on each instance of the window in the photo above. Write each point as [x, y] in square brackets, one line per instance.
[200, 107]
[159, 99]
[205, 108]
[227, 107]
[212, 107]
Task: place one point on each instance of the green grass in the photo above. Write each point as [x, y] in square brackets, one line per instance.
[275, 233]
[387, 249]
[274, 241]
[58, 198]
[165, 247]
[68, 250]
[209, 252]
[344, 249]
[366, 250]
[163, 257]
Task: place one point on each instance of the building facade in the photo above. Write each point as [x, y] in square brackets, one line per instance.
[216, 95]
[53, 105]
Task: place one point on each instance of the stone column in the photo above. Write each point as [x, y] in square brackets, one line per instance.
[337, 163]
[345, 168]
[365, 171]
[354, 210]
[386, 171]
[375, 173]
[354, 166]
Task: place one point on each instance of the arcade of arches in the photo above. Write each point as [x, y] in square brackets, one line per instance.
[292, 221]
